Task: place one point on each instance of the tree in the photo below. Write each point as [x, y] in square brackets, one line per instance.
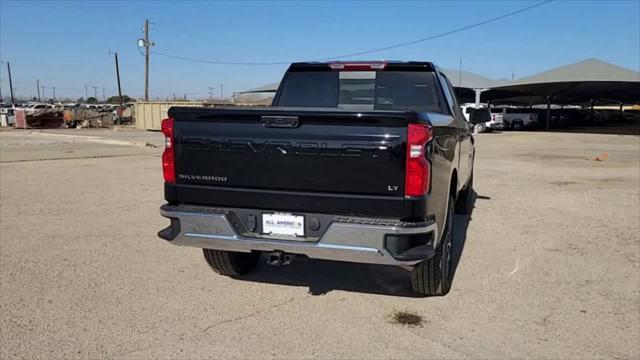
[91, 100]
[116, 99]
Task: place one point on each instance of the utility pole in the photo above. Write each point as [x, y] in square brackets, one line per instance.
[86, 93]
[1, 99]
[147, 44]
[211, 92]
[119, 89]
[95, 92]
[10, 83]
[146, 60]
[53, 89]
[38, 86]
[103, 98]
[221, 91]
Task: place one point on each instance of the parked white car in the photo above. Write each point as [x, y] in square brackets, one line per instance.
[37, 108]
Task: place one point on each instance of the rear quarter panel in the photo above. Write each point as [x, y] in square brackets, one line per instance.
[446, 152]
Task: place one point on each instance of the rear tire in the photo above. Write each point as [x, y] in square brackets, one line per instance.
[231, 263]
[481, 127]
[432, 277]
[464, 203]
[518, 125]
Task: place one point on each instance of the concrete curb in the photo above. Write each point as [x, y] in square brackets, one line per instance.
[94, 139]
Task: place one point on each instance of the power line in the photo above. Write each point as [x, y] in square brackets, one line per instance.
[217, 62]
[436, 36]
[370, 51]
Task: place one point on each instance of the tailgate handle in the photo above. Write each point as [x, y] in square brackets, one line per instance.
[281, 121]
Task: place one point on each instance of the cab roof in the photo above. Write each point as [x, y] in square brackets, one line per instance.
[375, 65]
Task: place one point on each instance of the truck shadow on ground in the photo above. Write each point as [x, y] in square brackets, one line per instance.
[322, 276]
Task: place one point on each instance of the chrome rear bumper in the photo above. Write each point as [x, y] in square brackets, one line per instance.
[342, 241]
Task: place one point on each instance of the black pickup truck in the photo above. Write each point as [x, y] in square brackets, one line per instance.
[355, 161]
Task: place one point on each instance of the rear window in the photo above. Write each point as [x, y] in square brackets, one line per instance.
[361, 90]
[497, 110]
[480, 115]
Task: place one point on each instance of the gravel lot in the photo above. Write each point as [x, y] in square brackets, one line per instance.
[549, 264]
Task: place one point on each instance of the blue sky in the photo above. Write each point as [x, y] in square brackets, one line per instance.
[67, 44]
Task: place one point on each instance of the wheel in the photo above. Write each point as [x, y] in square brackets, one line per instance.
[464, 203]
[517, 125]
[481, 127]
[231, 263]
[432, 277]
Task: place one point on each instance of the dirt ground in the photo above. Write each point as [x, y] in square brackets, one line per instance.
[548, 264]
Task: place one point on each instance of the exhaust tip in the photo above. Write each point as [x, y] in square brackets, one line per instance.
[279, 258]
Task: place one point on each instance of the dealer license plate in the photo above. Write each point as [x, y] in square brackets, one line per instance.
[283, 224]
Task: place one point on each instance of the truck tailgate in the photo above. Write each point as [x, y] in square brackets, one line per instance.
[302, 150]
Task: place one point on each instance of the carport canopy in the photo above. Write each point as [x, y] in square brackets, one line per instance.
[585, 81]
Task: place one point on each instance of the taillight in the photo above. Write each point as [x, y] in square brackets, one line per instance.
[493, 117]
[418, 169]
[168, 157]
